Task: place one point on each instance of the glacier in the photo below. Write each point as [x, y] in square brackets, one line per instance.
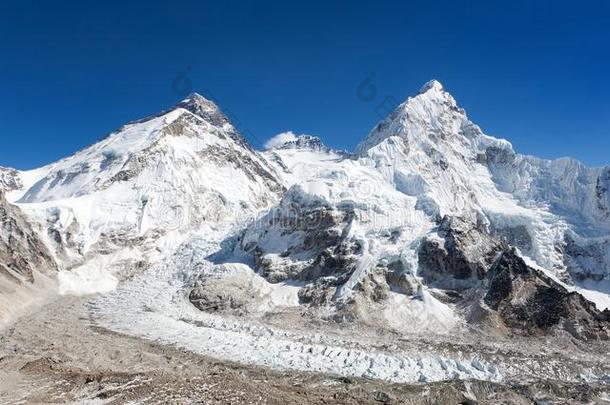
[188, 236]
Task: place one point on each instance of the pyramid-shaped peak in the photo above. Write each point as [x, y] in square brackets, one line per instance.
[204, 108]
[434, 85]
[196, 100]
[419, 119]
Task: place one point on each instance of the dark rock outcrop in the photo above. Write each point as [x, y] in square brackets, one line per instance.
[496, 285]
[460, 257]
[602, 192]
[318, 246]
[531, 303]
[305, 142]
[228, 295]
[22, 251]
[586, 259]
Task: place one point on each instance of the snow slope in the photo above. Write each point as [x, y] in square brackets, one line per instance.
[138, 192]
[197, 240]
[555, 212]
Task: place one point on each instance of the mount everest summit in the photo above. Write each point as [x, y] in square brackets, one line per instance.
[305, 258]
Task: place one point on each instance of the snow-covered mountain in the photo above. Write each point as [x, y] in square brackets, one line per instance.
[430, 227]
[426, 208]
[429, 148]
[26, 264]
[142, 189]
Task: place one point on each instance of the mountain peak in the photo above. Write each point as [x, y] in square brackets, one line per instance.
[204, 108]
[432, 113]
[289, 140]
[195, 98]
[431, 85]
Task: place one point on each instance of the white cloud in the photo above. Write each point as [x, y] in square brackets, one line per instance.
[280, 139]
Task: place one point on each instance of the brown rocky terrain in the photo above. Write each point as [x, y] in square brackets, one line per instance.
[55, 356]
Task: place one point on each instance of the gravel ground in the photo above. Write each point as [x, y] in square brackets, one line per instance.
[55, 355]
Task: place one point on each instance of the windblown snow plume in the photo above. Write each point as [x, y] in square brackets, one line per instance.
[280, 139]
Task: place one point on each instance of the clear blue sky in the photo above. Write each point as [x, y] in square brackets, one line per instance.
[535, 73]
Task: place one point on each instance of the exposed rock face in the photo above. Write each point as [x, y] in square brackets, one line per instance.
[531, 303]
[459, 257]
[470, 262]
[399, 278]
[378, 283]
[9, 179]
[221, 295]
[412, 235]
[180, 169]
[302, 239]
[212, 114]
[587, 260]
[153, 153]
[305, 142]
[495, 155]
[517, 235]
[22, 252]
[602, 191]
[243, 161]
[422, 221]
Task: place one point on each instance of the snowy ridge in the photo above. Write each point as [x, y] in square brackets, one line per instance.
[289, 141]
[430, 149]
[140, 190]
[197, 240]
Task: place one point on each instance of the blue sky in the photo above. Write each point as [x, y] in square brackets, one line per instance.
[535, 73]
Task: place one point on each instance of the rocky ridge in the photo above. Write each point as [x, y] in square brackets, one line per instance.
[431, 228]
